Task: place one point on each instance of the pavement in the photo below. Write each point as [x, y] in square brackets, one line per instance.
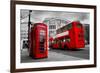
[58, 55]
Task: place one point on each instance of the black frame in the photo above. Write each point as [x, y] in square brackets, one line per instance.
[13, 35]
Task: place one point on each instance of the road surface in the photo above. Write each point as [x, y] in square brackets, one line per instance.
[58, 55]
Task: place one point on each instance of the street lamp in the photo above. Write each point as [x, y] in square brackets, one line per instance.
[29, 23]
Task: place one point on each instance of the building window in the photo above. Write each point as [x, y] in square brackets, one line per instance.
[52, 27]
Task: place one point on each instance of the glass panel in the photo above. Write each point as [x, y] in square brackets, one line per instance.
[42, 40]
[79, 25]
[69, 26]
[52, 27]
[67, 39]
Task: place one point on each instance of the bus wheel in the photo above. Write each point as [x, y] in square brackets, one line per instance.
[66, 47]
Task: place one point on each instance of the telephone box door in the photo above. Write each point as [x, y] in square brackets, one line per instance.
[42, 42]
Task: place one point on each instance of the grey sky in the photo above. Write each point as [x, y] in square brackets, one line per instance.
[40, 16]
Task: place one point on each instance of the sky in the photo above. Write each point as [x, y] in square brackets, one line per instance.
[40, 16]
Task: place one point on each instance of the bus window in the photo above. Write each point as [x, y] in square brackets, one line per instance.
[57, 41]
[79, 25]
[67, 39]
[65, 28]
[61, 40]
[69, 26]
[54, 41]
[58, 31]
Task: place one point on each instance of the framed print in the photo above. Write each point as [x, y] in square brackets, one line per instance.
[52, 36]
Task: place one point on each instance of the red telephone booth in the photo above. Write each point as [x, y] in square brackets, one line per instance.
[38, 41]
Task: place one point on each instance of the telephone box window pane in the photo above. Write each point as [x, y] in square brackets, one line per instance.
[42, 40]
[79, 25]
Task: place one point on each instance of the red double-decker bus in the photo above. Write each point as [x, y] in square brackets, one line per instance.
[70, 36]
[38, 41]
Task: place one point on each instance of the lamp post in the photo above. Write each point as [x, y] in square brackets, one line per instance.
[29, 23]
